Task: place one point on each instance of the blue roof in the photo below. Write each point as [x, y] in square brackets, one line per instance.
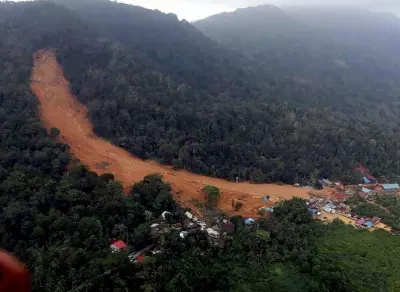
[366, 180]
[365, 190]
[390, 186]
[369, 224]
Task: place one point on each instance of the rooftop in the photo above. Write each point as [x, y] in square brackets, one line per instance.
[390, 186]
[365, 190]
[119, 244]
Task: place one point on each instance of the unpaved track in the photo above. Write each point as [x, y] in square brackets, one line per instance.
[60, 109]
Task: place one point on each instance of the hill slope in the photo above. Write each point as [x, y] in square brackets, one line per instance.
[58, 108]
[349, 54]
[161, 89]
[61, 220]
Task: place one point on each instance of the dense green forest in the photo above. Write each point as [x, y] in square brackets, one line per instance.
[60, 219]
[240, 121]
[349, 54]
[161, 89]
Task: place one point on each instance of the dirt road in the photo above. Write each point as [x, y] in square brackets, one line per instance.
[60, 109]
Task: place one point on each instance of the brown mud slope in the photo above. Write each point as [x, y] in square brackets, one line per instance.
[60, 109]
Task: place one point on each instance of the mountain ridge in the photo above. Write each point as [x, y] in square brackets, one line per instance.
[334, 50]
[169, 93]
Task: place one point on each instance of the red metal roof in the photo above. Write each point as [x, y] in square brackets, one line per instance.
[140, 258]
[119, 244]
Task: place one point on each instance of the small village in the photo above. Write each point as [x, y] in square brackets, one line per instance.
[216, 226]
[216, 229]
[327, 203]
[333, 206]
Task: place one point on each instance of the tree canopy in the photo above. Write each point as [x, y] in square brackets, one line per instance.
[167, 92]
[190, 103]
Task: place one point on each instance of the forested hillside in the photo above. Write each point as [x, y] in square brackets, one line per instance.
[164, 91]
[167, 92]
[161, 89]
[60, 219]
[348, 54]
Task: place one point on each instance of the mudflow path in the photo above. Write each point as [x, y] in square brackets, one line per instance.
[60, 109]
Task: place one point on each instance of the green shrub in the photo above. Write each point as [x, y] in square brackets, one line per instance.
[212, 195]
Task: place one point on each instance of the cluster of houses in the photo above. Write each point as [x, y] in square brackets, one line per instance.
[335, 204]
[365, 222]
[121, 246]
[368, 185]
[379, 189]
[215, 232]
[316, 205]
[191, 225]
[340, 193]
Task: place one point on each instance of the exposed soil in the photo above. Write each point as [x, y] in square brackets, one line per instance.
[330, 217]
[60, 109]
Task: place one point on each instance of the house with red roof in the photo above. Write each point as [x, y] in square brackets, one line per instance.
[118, 245]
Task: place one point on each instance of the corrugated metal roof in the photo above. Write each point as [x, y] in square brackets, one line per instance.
[365, 190]
[390, 186]
[119, 244]
[249, 221]
[369, 224]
